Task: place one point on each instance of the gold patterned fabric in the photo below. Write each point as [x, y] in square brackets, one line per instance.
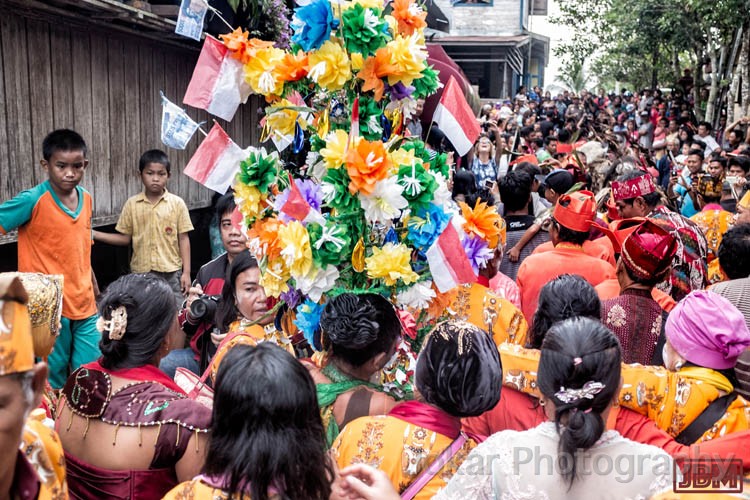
[16, 346]
[41, 448]
[45, 308]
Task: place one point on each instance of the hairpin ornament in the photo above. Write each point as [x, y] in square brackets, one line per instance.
[116, 325]
[577, 361]
[588, 391]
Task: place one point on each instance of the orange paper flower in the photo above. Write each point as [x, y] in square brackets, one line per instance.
[409, 16]
[483, 221]
[293, 67]
[374, 69]
[366, 164]
[264, 235]
[241, 46]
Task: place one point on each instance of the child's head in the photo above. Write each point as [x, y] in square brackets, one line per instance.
[231, 237]
[154, 168]
[64, 157]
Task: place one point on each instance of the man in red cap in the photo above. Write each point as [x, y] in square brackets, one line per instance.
[569, 228]
[635, 317]
[635, 196]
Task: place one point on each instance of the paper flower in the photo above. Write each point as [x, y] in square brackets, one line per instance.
[241, 46]
[296, 250]
[418, 296]
[374, 69]
[281, 118]
[427, 84]
[274, 279]
[318, 281]
[477, 252]
[329, 66]
[330, 242]
[259, 169]
[336, 181]
[366, 164]
[292, 67]
[425, 227]
[483, 221]
[385, 202]
[309, 190]
[370, 113]
[368, 4]
[262, 238]
[334, 154]
[308, 322]
[363, 29]
[418, 184]
[399, 91]
[260, 72]
[312, 24]
[248, 199]
[410, 17]
[409, 56]
[442, 195]
[391, 263]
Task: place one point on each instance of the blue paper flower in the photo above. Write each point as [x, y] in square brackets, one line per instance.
[426, 226]
[312, 24]
[477, 251]
[308, 321]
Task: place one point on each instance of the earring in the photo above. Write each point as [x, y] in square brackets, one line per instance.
[542, 402]
[678, 366]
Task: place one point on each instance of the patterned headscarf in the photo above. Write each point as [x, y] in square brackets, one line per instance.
[16, 347]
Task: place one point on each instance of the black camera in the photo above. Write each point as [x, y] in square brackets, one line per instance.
[204, 307]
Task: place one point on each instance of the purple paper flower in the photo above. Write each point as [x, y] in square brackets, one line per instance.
[399, 91]
[310, 191]
[292, 298]
[477, 252]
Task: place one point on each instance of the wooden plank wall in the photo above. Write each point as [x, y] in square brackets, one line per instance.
[106, 86]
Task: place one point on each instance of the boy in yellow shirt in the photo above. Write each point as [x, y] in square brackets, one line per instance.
[157, 223]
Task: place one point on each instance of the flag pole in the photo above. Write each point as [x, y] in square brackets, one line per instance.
[216, 12]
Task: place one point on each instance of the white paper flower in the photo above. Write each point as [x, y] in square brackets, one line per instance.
[441, 195]
[385, 203]
[417, 296]
[318, 281]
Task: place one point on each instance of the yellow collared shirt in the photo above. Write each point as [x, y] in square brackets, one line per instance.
[155, 228]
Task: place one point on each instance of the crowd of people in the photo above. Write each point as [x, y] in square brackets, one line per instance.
[610, 325]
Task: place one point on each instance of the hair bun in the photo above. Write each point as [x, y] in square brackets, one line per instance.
[346, 321]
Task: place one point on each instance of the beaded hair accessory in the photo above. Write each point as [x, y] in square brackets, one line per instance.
[588, 391]
[116, 325]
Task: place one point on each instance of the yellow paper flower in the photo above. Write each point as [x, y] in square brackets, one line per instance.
[296, 252]
[283, 120]
[357, 61]
[274, 279]
[329, 66]
[402, 157]
[391, 263]
[248, 199]
[334, 154]
[408, 56]
[368, 4]
[261, 73]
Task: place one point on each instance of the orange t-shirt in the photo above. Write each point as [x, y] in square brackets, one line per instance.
[594, 248]
[609, 289]
[539, 269]
[53, 239]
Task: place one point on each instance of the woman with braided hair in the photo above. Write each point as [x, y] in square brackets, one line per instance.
[571, 455]
[359, 335]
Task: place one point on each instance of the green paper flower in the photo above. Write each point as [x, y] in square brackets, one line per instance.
[342, 200]
[440, 164]
[364, 30]
[427, 84]
[330, 243]
[259, 169]
[419, 185]
[418, 147]
[369, 119]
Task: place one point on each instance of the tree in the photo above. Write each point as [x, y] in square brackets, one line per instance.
[574, 76]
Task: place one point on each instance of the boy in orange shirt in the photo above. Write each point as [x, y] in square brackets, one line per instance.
[54, 237]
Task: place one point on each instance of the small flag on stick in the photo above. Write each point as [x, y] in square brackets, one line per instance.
[216, 161]
[448, 262]
[456, 119]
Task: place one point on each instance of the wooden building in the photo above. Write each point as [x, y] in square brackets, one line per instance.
[97, 66]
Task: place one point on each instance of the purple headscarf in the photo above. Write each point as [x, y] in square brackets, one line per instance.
[707, 330]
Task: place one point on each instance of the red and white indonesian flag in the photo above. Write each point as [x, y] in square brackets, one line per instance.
[448, 262]
[455, 118]
[216, 161]
[218, 84]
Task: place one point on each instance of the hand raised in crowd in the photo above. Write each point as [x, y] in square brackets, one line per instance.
[363, 482]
